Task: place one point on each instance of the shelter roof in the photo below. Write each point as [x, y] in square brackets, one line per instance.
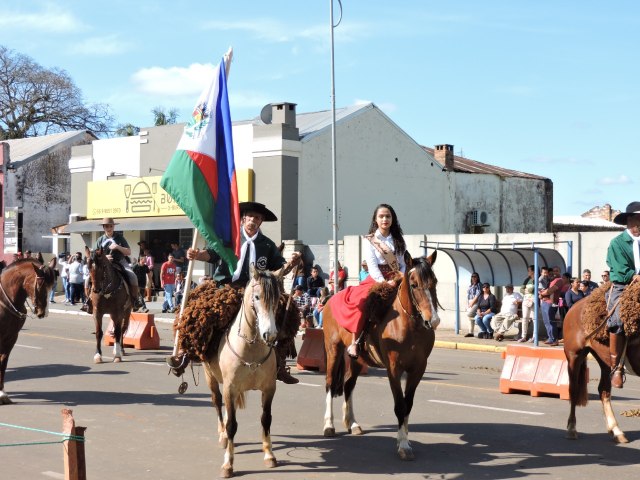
[498, 265]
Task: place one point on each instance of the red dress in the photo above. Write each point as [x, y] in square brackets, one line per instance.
[348, 305]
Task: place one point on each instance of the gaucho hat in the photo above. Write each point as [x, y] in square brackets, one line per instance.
[107, 221]
[632, 209]
[268, 215]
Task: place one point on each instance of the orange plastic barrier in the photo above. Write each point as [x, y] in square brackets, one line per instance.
[537, 370]
[312, 355]
[142, 333]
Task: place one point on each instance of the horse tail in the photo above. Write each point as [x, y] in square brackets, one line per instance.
[579, 393]
[337, 377]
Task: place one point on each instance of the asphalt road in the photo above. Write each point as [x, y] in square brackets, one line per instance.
[139, 427]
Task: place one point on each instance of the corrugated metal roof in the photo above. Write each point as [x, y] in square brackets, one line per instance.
[24, 149]
[466, 165]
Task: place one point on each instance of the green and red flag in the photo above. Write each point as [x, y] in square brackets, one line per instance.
[201, 177]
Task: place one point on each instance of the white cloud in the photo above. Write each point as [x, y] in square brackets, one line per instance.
[174, 81]
[50, 19]
[620, 180]
[100, 46]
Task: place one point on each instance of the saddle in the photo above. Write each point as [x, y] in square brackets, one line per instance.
[596, 311]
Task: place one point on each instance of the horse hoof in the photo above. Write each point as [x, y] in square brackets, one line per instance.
[5, 400]
[117, 359]
[97, 359]
[405, 454]
[329, 432]
[356, 430]
[270, 462]
[621, 438]
[226, 472]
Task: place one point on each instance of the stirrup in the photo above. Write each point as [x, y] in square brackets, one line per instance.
[177, 363]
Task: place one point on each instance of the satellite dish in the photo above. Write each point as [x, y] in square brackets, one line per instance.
[266, 114]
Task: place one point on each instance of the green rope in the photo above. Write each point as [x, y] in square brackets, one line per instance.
[66, 436]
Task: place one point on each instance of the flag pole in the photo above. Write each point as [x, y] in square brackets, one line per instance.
[333, 152]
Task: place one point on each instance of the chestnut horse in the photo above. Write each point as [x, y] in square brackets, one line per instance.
[245, 360]
[400, 341]
[22, 280]
[577, 345]
[109, 294]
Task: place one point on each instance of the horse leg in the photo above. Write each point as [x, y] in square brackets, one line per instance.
[334, 354]
[97, 321]
[267, 398]
[216, 399]
[348, 416]
[604, 389]
[231, 427]
[405, 451]
[577, 372]
[117, 339]
[4, 360]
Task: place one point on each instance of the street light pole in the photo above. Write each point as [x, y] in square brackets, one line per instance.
[333, 153]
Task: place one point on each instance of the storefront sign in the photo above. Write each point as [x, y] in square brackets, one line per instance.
[11, 229]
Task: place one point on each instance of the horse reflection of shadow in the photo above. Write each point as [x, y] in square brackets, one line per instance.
[463, 450]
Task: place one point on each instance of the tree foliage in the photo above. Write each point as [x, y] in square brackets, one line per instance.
[38, 101]
[164, 117]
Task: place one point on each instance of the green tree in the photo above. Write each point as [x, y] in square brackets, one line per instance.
[163, 117]
[127, 130]
[38, 101]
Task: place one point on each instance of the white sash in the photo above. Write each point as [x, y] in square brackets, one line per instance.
[243, 253]
[636, 252]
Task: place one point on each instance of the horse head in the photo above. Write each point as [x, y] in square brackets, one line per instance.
[262, 294]
[422, 284]
[101, 270]
[43, 283]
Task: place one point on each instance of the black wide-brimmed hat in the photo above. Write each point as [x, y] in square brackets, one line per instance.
[268, 215]
[632, 209]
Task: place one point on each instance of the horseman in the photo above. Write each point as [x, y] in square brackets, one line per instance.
[623, 258]
[117, 247]
[260, 250]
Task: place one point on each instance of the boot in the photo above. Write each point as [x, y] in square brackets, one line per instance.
[177, 363]
[283, 374]
[616, 345]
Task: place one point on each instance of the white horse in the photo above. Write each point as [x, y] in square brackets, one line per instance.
[245, 360]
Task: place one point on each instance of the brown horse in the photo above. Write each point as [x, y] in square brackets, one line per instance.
[245, 360]
[22, 280]
[577, 346]
[400, 341]
[109, 295]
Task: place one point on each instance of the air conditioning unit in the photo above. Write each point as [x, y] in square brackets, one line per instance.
[479, 218]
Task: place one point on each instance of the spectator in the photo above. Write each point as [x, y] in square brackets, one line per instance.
[528, 307]
[586, 276]
[86, 280]
[76, 282]
[322, 301]
[148, 259]
[508, 314]
[549, 305]
[342, 276]
[544, 279]
[562, 308]
[573, 294]
[204, 278]
[302, 301]
[605, 277]
[179, 257]
[168, 284]
[27, 254]
[180, 287]
[142, 274]
[314, 282]
[64, 274]
[584, 288]
[473, 295]
[143, 246]
[486, 310]
[364, 270]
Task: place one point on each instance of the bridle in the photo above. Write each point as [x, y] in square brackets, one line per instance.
[417, 315]
[10, 306]
[248, 340]
[107, 278]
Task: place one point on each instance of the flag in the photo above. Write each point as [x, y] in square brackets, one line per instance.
[201, 177]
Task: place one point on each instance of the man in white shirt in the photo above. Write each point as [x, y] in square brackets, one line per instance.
[508, 314]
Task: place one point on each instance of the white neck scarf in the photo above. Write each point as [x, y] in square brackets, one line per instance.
[243, 253]
[636, 251]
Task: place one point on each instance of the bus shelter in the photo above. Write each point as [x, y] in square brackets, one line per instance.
[500, 265]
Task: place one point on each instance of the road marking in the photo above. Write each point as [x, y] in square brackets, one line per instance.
[309, 384]
[28, 346]
[486, 408]
[53, 475]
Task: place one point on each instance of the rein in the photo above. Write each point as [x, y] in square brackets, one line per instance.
[12, 308]
[415, 316]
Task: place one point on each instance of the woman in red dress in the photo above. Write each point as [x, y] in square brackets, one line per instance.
[384, 253]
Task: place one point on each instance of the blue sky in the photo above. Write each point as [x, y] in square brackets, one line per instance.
[544, 87]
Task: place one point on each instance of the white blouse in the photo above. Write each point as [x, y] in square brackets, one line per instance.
[375, 258]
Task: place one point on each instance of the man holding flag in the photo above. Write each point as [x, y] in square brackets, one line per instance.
[201, 178]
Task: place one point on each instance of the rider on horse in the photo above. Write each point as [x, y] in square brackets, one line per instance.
[263, 253]
[623, 258]
[117, 248]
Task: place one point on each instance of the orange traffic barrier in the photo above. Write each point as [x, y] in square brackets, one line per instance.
[538, 370]
[142, 333]
[312, 355]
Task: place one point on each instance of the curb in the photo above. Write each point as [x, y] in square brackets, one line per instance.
[468, 346]
[81, 313]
